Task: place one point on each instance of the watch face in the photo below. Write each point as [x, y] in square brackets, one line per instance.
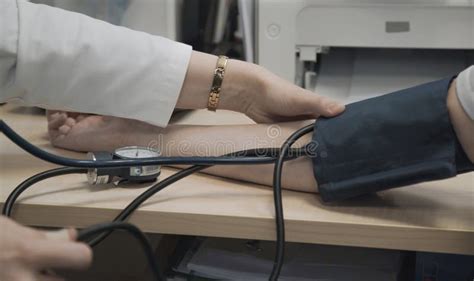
[136, 152]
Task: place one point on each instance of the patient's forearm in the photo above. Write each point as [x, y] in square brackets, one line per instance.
[180, 140]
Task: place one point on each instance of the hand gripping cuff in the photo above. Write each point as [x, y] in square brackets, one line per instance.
[385, 142]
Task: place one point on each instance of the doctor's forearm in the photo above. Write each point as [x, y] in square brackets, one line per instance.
[239, 76]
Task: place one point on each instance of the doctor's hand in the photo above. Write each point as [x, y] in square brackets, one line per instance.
[254, 91]
[26, 254]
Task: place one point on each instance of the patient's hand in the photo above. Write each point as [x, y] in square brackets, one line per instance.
[83, 132]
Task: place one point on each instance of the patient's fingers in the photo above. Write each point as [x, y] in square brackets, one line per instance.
[64, 129]
[68, 125]
[51, 113]
[56, 121]
[70, 122]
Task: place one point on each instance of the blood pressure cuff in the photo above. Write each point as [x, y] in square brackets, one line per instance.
[398, 139]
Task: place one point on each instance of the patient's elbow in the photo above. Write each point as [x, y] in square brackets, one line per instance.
[463, 125]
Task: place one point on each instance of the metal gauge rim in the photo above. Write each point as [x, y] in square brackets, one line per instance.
[155, 151]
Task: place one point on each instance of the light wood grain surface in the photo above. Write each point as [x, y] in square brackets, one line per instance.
[436, 216]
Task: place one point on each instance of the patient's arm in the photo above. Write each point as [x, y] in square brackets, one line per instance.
[220, 140]
[99, 133]
[92, 133]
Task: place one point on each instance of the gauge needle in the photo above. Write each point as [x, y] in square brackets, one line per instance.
[136, 154]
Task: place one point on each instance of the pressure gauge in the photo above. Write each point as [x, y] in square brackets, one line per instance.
[136, 152]
[137, 174]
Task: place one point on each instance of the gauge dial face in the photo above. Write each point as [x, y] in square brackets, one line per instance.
[136, 152]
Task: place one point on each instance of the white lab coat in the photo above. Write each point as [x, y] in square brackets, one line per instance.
[58, 59]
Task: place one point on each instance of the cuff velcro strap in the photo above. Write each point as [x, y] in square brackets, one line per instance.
[389, 141]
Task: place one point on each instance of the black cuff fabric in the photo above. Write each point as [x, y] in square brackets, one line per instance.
[390, 141]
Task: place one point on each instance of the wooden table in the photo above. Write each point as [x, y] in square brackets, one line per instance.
[436, 216]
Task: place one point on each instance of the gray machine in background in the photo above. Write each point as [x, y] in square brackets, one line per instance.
[356, 49]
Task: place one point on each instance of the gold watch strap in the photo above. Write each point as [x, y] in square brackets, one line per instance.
[214, 94]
